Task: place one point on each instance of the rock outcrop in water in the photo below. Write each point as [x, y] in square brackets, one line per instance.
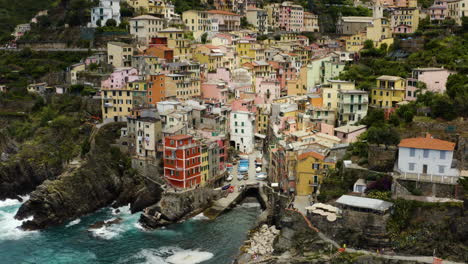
[174, 206]
[103, 177]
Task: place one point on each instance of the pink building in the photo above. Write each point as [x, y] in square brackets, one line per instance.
[220, 74]
[435, 80]
[267, 89]
[119, 78]
[215, 90]
[438, 11]
[224, 20]
[349, 133]
[403, 29]
[291, 17]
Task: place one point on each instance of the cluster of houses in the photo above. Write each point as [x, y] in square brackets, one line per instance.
[191, 104]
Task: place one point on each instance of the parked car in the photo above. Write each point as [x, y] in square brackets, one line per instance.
[240, 176]
[229, 178]
[226, 187]
[261, 176]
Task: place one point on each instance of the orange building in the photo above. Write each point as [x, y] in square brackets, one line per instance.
[156, 88]
[161, 51]
[182, 160]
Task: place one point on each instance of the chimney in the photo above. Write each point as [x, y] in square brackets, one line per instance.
[428, 135]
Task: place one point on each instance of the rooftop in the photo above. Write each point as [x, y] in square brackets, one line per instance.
[362, 202]
[349, 128]
[221, 12]
[389, 78]
[427, 143]
[143, 17]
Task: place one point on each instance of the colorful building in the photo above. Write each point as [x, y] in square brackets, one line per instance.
[119, 54]
[145, 27]
[311, 168]
[390, 90]
[182, 161]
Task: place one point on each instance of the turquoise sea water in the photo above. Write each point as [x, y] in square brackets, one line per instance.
[197, 240]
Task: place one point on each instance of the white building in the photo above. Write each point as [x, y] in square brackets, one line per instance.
[242, 130]
[426, 156]
[145, 27]
[107, 9]
[352, 106]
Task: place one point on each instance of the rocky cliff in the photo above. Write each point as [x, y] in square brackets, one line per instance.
[102, 178]
[175, 206]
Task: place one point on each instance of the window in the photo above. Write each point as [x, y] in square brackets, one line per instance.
[426, 153]
[411, 166]
[442, 154]
[412, 152]
[315, 166]
[441, 169]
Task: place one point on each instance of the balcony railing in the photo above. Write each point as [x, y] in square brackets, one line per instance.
[427, 177]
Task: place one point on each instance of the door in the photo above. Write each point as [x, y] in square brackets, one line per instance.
[424, 168]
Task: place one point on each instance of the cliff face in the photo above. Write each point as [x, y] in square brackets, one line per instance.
[174, 206]
[18, 175]
[104, 176]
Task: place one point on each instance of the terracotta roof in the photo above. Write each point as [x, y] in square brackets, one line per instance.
[311, 154]
[178, 137]
[274, 64]
[222, 12]
[427, 143]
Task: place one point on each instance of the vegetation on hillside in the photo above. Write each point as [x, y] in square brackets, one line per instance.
[17, 69]
[13, 13]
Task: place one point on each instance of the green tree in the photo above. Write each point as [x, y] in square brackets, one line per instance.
[111, 23]
[204, 37]
[383, 135]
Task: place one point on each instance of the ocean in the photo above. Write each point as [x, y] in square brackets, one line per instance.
[197, 240]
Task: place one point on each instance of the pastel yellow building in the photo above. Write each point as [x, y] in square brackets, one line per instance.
[176, 40]
[390, 90]
[197, 21]
[298, 86]
[379, 31]
[204, 166]
[311, 169]
[116, 104]
[211, 56]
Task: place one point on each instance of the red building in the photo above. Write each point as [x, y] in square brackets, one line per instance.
[182, 159]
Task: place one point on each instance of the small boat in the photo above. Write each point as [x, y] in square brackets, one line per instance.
[229, 178]
[258, 169]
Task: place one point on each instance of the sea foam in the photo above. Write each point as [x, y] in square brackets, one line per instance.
[169, 255]
[9, 226]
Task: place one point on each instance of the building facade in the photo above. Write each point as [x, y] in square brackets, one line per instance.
[182, 161]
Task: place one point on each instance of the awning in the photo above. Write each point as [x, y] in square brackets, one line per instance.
[260, 136]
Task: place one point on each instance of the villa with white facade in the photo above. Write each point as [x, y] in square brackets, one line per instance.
[242, 130]
[427, 157]
[107, 9]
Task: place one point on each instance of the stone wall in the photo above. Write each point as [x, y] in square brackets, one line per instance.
[355, 229]
[382, 157]
[406, 187]
[42, 45]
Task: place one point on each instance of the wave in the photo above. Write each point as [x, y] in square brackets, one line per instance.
[74, 222]
[200, 216]
[189, 257]
[111, 231]
[9, 226]
[13, 202]
[250, 205]
[169, 255]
